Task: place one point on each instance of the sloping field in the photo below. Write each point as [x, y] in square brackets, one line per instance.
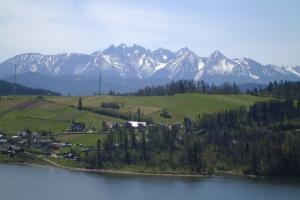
[38, 114]
[179, 105]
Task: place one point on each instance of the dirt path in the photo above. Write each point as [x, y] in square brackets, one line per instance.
[26, 104]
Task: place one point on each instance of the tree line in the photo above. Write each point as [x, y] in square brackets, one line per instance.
[282, 90]
[260, 114]
[7, 88]
[185, 86]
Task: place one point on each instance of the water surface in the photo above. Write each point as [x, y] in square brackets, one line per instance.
[49, 183]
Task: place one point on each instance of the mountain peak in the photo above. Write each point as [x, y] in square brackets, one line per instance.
[135, 61]
[185, 51]
[216, 55]
[122, 45]
[112, 49]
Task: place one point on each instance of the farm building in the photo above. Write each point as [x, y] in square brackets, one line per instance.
[136, 124]
[76, 127]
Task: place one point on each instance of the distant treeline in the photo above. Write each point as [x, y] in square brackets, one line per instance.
[187, 86]
[260, 114]
[282, 90]
[7, 88]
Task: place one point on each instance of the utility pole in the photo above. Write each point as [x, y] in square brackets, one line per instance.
[99, 89]
[15, 86]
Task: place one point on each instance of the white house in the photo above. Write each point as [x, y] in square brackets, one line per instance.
[136, 124]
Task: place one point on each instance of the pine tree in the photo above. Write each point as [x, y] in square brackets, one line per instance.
[80, 104]
[127, 156]
[144, 147]
[98, 154]
[171, 146]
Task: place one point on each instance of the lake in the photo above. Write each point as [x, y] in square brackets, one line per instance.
[48, 183]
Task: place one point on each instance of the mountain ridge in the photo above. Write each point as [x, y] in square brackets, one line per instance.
[137, 62]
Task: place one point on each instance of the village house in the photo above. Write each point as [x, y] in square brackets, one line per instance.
[37, 143]
[65, 144]
[3, 139]
[137, 126]
[15, 148]
[23, 134]
[76, 127]
[54, 145]
[35, 135]
[15, 137]
[70, 156]
[106, 126]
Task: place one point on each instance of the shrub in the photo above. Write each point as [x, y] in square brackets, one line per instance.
[164, 113]
[112, 105]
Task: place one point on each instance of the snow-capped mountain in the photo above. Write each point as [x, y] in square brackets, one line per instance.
[137, 62]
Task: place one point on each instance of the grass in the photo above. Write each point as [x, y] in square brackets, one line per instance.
[21, 158]
[64, 162]
[179, 105]
[86, 139]
[55, 113]
[44, 115]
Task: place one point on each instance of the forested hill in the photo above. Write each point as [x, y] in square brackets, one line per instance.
[282, 90]
[7, 88]
[188, 86]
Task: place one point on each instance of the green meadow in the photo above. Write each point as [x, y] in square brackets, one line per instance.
[55, 113]
[39, 114]
[180, 105]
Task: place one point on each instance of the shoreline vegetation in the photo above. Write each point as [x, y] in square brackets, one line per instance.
[50, 163]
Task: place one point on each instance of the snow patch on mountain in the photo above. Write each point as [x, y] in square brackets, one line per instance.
[138, 62]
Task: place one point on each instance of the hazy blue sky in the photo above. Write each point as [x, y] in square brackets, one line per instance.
[268, 31]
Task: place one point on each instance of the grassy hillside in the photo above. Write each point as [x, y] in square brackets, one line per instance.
[179, 105]
[55, 113]
[39, 114]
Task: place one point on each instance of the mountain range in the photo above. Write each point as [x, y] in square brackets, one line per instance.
[140, 64]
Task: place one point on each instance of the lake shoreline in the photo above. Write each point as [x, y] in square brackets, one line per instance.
[108, 171]
[50, 163]
[127, 173]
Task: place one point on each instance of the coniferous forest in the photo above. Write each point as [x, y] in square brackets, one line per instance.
[187, 86]
[281, 90]
[263, 139]
[7, 88]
